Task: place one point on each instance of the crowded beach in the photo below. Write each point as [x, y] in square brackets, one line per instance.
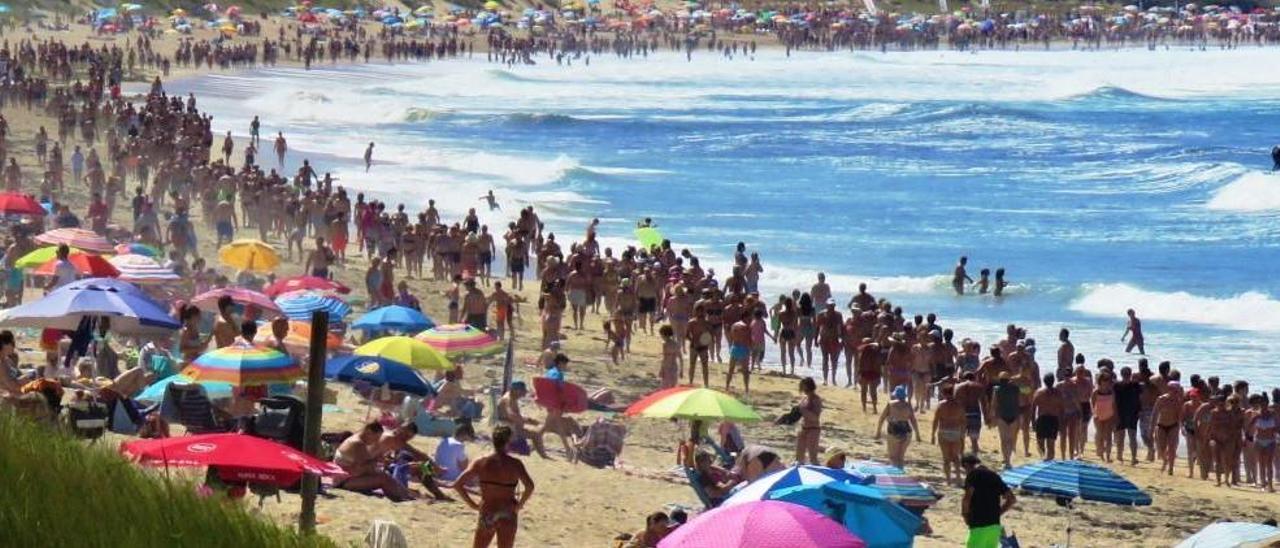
[673, 407]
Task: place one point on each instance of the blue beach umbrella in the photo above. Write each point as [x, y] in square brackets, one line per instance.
[795, 476]
[300, 305]
[378, 371]
[1076, 479]
[129, 309]
[393, 318]
[895, 484]
[863, 510]
[1232, 534]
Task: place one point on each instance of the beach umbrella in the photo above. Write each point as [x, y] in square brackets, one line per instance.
[460, 340]
[215, 390]
[695, 403]
[298, 338]
[93, 266]
[300, 304]
[648, 237]
[238, 457]
[863, 511]
[244, 365]
[304, 283]
[79, 238]
[644, 403]
[13, 203]
[38, 257]
[795, 476]
[393, 318]
[1233, 534]
[491, 5]
[141, 269]
[130, 310]
[378, 371]
[762, 524]
[250, 255]
[208, 301]
[1076, 479]
[895, 484]
[135, 248]
[406, 350]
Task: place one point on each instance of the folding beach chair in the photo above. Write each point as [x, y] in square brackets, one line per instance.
[695, 482]
[602, 444]
[194, 410]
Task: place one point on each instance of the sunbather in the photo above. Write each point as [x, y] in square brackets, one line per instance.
[394, 445]
[359, 458]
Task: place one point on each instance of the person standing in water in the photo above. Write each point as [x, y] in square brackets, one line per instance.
[1133, 331]
[493, 201]
[1000, 284]
[960, 277]
[368, 158]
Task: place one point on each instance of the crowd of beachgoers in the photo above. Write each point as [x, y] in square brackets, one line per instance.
[161, 154]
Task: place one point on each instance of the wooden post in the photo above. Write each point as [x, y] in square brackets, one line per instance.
[315, 409]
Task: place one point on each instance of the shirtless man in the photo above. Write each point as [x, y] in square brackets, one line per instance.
[498, 475]
[225, 221]
[1133, 331]
[226, 327]
[830, 324]
[508, 412]
[1066, 353]
[360, 460]
[1047, 407]
[959, 277]
[971, 395]
[698, 333]
[1168, 420]
[475, 306]
[504, 306]
[862, 301]
[820, 292]
[869, 358]
[317, 263]
[740, 354]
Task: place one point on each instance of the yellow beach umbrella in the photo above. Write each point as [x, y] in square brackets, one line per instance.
[492, 5]
[406, 350]
[251, 255]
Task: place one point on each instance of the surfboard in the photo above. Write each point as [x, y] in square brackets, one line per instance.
[565, 396]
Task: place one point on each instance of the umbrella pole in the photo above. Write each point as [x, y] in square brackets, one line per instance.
[315, 409]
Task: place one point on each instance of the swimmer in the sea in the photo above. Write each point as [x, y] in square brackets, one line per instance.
[493, 201]
[959, 278]
[984, 281]
[1275, 157]
[1000, 283]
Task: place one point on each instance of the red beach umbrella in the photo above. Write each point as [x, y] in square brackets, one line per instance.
[93, 266]
[239, 457]
[13, 203]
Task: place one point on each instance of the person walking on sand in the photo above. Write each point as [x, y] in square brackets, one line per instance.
[902, 422]
[986, 500]
[281, 148]
[948, 431]
[810, 406]
[498, 475]
[1133, 331]
[1047, 406]
[368, 158]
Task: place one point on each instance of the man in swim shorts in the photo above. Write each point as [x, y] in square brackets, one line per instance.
[739, 354]
[959, 277]
[1047, 406]
[971, 394]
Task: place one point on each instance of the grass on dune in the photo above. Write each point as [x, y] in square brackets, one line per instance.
[56, 491]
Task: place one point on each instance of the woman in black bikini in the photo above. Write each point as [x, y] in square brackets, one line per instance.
[498, 475]
[902, 422]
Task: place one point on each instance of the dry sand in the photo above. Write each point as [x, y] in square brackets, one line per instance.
[579, 506]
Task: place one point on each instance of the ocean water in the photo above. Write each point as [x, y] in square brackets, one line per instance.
[1100, 181]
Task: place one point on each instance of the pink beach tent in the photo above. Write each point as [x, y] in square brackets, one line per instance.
[762, 524]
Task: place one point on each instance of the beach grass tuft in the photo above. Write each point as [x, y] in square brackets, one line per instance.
[57, 491]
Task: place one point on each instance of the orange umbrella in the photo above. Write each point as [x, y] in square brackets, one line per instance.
[87, 265]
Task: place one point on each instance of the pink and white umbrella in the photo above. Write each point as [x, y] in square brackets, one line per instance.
[208, 301]
[141, 269]
[762, 524]
[78, 238]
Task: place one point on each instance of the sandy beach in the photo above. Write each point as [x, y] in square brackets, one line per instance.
[580, 506]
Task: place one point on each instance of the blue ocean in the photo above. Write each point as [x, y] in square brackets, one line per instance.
[1099, 180]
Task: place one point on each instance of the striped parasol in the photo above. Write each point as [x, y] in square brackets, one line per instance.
[78, 238]
[244, 365]
[208, 301]
[791, 477]
[141, 269]
[460, 340]
[299, 305]
[694, 403]
[895, 484]
[1076, 479]
[135, 248]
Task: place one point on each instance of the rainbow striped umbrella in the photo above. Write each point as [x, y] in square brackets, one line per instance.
[299, 305]
[78, 238]
[244, 365]
[135, 248]
[460, 340]
[141, 269]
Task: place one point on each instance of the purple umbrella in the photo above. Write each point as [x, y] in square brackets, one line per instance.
[762, 524]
